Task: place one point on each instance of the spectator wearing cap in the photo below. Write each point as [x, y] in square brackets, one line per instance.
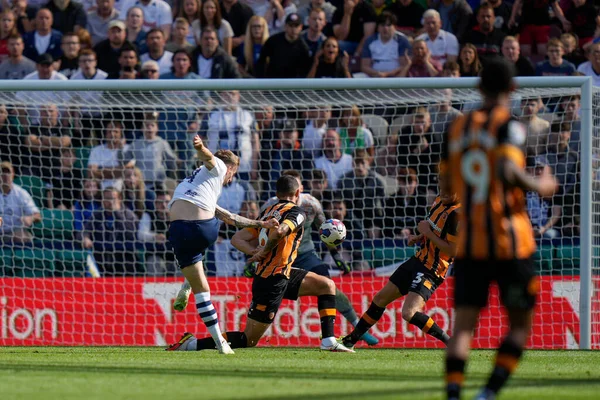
[238, 15]
[182, 67]
[285, 55]
[353, 24]
[68, 63]
[69, 16]
[329, 63]
[409, 14]
[210, 61]
[538, 207]
[383, 52]
[16, 66]
[314, 36]
[511, 50]
[333, 162]
[44, 39]
[135, 32]
[157, 14]
[486, 37]
[45, 69]
[17, 208]
[152, 154]
[286, 154]
[455, 15]
[98, 20]
[442, 44]
[156, 51]
[150, 70]
[108, 50]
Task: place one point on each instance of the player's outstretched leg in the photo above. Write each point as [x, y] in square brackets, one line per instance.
[183, 296]
[343, 305]
[194, 274]
[412, 313]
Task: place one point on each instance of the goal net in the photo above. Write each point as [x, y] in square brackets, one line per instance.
[87, 176]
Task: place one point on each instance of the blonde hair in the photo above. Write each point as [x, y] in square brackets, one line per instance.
[228, 157]
[249, 43]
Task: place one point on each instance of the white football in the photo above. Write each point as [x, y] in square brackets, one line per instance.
[332, 232]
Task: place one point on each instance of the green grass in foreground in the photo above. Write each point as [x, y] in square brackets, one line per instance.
[266, 373]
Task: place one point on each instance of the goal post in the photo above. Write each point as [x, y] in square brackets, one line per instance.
[570, 265]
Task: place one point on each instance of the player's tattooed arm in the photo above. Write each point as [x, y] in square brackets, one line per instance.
[241, 222]
[242, 240]
[275, 236]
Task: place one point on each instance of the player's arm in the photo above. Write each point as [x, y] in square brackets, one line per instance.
[335, 254]
[446, 246]
[292, 222]
[241, 222]
[204, 154]
[243, 241]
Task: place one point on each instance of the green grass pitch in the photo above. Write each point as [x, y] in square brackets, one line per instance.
[268, 373]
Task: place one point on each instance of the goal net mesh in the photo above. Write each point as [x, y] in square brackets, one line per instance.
[84, 258]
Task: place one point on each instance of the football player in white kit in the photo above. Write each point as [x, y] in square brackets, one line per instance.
[194, 227]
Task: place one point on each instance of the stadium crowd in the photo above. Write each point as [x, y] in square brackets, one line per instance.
[373, 169]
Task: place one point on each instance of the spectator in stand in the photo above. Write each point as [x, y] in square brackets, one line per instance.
[153, 155]
[85, 39]
[318, 186]
[68, 16]
[211, 61]
[537, 128]
[179, 35]
[10, 139]
[16, 66]
[409, 14]
[267, 131]
[573, 52]
[44, 39]
[287, 154]
[285, 55]
[583, 15]
[25, 15]
[442, 45]
[111, 233]
[109, 50]
[85, 205]
[152, 230]
[326, 6]
[592, 67]
[364, 193]
[442, 113]
[380, 58]
[128, 63]
[538, 207]
[234, 194]
[157, 14]
[451, 69]
[281, 9]
[316, 126]
[105, 163]
[486, 38]
[468, 61]
[568, 111]
[562, 159]
[421, 65]
[257, 34]
[455, 15]
[502, 13]
[406, 207]
[329, 63]
[535, 23]
[182, 67]
[135, 195]
[512, 52]
[333, 162]
[98, 20]
[233, 128]
[68, 63]
[88, 69]
[17, 208]
[190, 11]
[211, 17]
[555, 65]
[353, 133]
[156, 51]
[353, 24]
[45, 69]
[135, 32]
[314, 36]
[238, 15]
[7, 28]
[63, 182]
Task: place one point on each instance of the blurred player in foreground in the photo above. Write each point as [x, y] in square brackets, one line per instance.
[496, 241]
[274, 279]
[423, 273]
[194, 227]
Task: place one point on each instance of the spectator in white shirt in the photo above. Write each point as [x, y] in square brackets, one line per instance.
[98, 20]
[442, 45]
[17, 208]
[592, 67]
[157, 14]
[316, 126]
[45, 69]
[156, 51]
[105, 162]
[334, 162]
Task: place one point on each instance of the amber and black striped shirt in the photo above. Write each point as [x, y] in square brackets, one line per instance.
[443, 220]
[281, 258]
[494, 223]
